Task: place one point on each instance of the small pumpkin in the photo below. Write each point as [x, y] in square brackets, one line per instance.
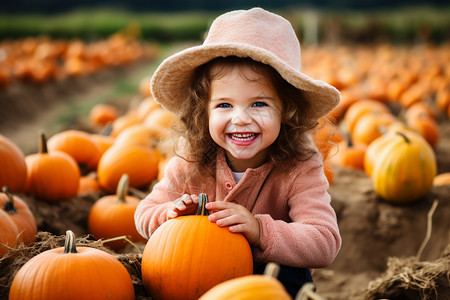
[8, 233]
[88, 185]
[250, 287]
[72, 272]
[20, 214]
[349, 155]
[52, 176]
[404, 171]
[13, 171]
[102, 114]
[79, 145]
[188, 255]
[113, 216]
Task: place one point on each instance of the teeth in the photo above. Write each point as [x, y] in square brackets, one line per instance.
[243, 136]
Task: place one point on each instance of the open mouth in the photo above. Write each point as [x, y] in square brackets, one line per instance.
[243, 137]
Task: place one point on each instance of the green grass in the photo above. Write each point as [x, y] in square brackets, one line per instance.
[91, 24]
[170, 27]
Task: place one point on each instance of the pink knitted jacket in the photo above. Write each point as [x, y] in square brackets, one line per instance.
[298, 226]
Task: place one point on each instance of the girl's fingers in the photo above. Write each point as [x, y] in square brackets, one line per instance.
[171, 214]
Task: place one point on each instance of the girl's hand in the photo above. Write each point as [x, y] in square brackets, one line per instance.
[185, 205]
[237, 217]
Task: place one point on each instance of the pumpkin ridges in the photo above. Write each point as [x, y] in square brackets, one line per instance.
[191, 251]
[13, 171]
[396, 175]
[113, 215]
[82, 275]
[52, 176]
[139, 162]
[20, 214]
[8, 233]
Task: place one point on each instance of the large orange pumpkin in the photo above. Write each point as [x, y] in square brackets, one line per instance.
[404, 171]
[113, 216]
[72, 272]
[20, 214]
[8, 233]
[188, 255]
[139, 162]
[52, 176]
[13, 170]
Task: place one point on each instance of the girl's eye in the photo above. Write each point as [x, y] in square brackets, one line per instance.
[224, 105]
[259, 104]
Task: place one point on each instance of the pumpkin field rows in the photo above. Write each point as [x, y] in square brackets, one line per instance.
[386, 151]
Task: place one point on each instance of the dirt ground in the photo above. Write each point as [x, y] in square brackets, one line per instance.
[374, 232]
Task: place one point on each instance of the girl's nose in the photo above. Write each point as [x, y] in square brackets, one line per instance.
[240, 117]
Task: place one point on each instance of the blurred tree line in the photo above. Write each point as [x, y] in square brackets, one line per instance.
[57, 6]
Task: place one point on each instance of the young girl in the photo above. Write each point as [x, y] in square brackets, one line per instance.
[245, 112]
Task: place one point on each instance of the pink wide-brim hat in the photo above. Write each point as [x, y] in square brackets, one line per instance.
[256, 33]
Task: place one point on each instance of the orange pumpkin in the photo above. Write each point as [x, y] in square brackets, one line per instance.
[139, 162]
[8, 233]
[425, 125]
[103, 141]
[250, 287]
[370, 126]
[404, 171]
[138, 134]
[20, 214]
[102, 114]
[72, 272]
[79, 145]
[13, 170]
[88, 185]
[360, 108]
[113, 216]
[349, 155]
[188, 255]
[124, 121]
[145, 107]
[52, 176]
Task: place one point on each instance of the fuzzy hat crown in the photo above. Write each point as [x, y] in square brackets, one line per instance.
[258, 28]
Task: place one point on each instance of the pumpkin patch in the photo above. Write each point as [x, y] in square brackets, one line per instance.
[381, 184]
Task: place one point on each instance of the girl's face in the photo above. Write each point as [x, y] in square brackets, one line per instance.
[244, 116]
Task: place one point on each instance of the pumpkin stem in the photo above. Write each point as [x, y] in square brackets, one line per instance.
[407, 140]
[122, 188]
[69, 246]
[42, 142]
[106, 131]
[9, 205]
[202, 200]
[272, 269]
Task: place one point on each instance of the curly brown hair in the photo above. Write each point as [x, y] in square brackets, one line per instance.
[292, 142]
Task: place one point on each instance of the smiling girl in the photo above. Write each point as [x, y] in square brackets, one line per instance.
[245, 112]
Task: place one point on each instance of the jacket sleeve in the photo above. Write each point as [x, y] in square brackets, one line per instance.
[312, 239]
[151, 211]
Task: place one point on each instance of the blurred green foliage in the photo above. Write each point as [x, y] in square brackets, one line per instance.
[401, 25]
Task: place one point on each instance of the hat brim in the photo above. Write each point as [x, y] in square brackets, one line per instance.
[170, 82]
